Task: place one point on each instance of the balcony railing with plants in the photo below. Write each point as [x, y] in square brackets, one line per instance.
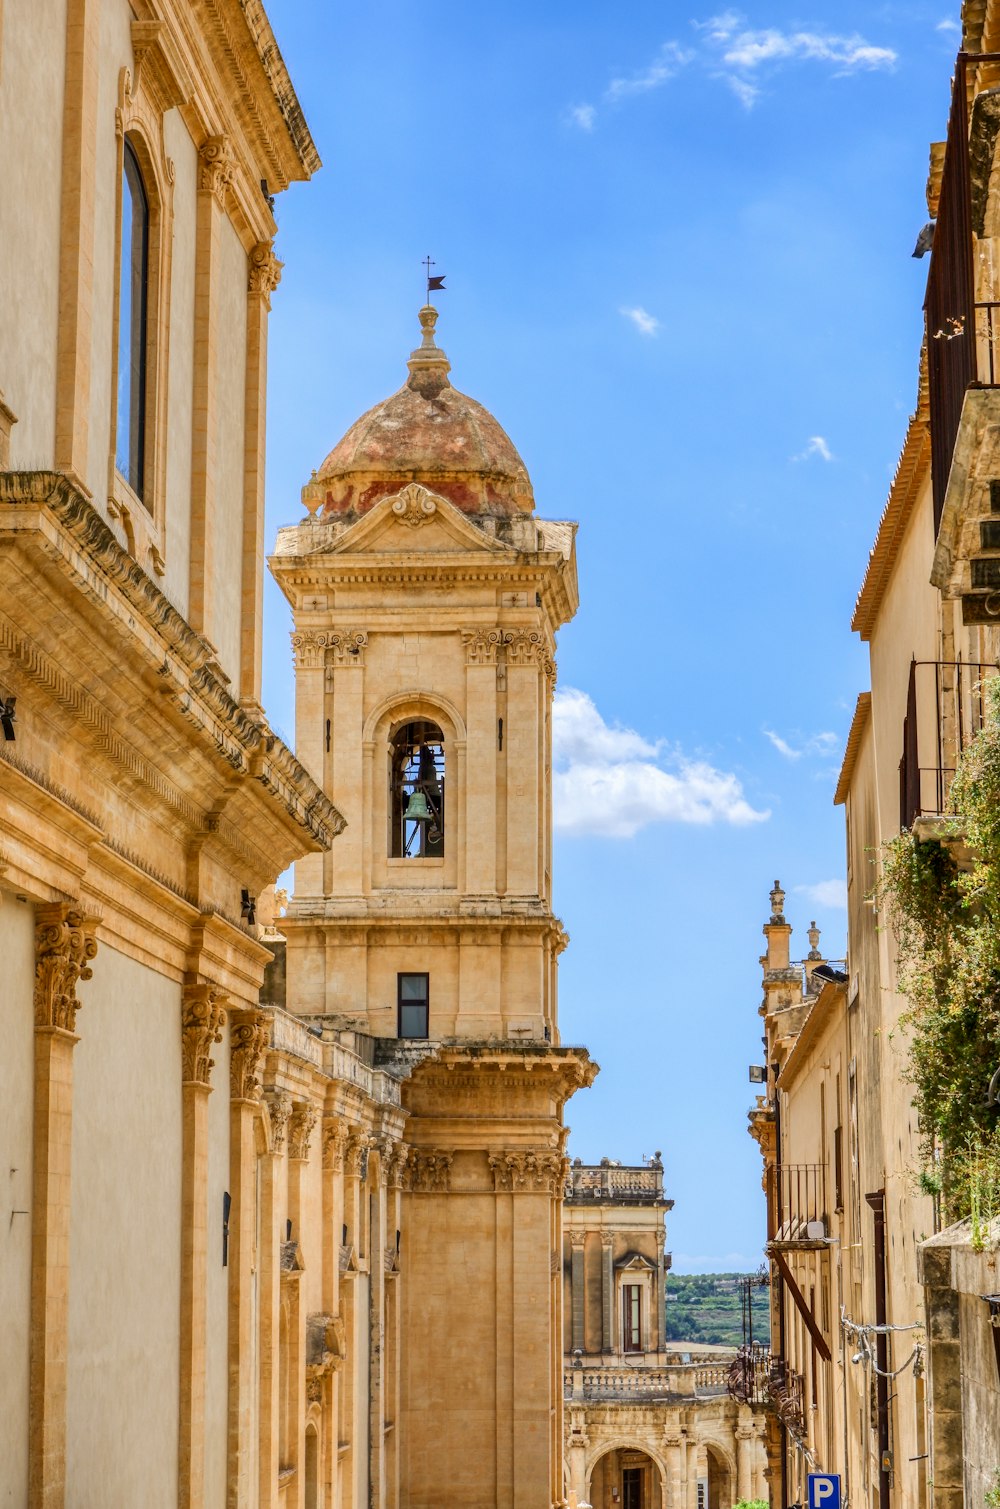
[945, 709]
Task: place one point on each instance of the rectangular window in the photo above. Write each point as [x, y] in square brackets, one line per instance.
[632, 1317]
[413, 1005]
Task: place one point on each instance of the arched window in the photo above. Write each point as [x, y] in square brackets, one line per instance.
[416, 794]
[133, 295]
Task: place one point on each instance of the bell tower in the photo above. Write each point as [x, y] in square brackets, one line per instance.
[426, 596]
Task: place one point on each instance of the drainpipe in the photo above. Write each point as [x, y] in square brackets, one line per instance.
[776, 1274]
[877, 1203]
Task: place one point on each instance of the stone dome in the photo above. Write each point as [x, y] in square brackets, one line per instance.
[427, 432]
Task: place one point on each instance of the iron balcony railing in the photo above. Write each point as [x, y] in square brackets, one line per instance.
[945, 709]
[749, 1374]
[961, 349]
[801, 1206]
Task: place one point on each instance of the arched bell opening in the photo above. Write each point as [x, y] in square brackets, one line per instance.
[416, 791]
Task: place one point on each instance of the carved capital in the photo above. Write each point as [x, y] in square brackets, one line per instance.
[430, 1170]
[528, 1171]
[300, 1127]
[326, 1351]
[356, 1154]
[248, 1035]
[346, 647]
[216, 166]
[264, 271]
[577, 1239]
[398, 1165]
[203, 1016]
[308, 646]
[335, 1136]
[482, 645]
[64, 946]
[414, 505]
[279, 1106]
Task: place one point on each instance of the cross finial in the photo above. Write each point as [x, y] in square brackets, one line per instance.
[435, 281]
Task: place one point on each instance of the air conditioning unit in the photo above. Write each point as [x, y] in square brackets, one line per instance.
[815, 1231]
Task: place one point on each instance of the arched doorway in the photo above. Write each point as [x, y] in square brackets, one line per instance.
[625, 1478]
[721, 1487]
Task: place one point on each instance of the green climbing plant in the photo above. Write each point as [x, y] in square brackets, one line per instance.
[946, 921]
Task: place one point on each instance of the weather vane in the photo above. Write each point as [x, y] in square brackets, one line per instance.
[434, 285]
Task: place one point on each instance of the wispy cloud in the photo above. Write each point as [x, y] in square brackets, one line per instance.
[731, 50]
[950, 25]
[644, 322]
[611, 782]
[816, 446]
[582, 116]
[828, 893]
[815, 744]
[670, 59]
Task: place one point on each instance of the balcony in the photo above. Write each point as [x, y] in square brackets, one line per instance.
[633, 1385]
[621, 1184]
[945, 708]
[749, 1374]
[801, 1207]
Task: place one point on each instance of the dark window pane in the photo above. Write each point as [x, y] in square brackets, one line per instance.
[413, 987]
[413, 1020]
[131, 410]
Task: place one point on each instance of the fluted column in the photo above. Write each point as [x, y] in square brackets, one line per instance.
[279, 1105]
[64, 946]
[203, 1015]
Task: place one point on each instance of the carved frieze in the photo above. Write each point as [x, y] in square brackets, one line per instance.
[430, 1170]
[279, 1106]
[414, 505]
[300, 1127]
[314, 647]
[528, 1171]
[248, 1037]
[203, 1016]
[263, 271]
[64, 946]
[216, 166]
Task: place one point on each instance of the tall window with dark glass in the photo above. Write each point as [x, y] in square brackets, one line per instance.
[130, 444]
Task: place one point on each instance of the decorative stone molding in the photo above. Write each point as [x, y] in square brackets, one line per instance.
[8, 419]
[264, 271]
[482, 645]
[203, 1016]
[300, 1126]
[414, 505]
[311, 647]
[335, 1135]
[508, 647]
[326, 1352]
[577, 1239]
[528, 1171]
[158, 69]
[430, 1171]
[397, 1166]
[248, 1037]
[279, 1106]
[216, 166]
[64, 945]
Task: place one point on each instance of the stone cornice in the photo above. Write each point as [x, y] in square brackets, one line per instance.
[48, 522]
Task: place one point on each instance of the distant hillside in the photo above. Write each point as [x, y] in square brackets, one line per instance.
[705, 1307]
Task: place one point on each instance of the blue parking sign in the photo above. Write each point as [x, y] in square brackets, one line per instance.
[824, 1490]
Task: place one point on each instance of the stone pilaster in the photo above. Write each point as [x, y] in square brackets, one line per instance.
[248, 1037]
[203, 1016]
[577, 1290]
[607, 1294]
[264, 272]
[65, 944]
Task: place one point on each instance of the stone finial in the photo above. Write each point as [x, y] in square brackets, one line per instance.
[777, 903]
[813, 936]
[429, 367]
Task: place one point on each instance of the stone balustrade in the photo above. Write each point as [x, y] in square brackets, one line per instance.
[632, 1384]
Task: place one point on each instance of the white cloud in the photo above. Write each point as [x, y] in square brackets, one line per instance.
[667, 63]
[748, 94]
[611, 782]
[582, 116]
[817, 446]
[815, 744]
[829, 893]
[749, 47]
[949, 25]
[644, 322]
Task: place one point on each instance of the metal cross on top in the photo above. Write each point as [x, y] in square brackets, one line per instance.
[434, 285]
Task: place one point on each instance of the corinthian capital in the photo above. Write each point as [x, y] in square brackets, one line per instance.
[203, 1016]
[248, 1038]
[216, 165]
[64, 945]
[300, 1127]
[264, 273]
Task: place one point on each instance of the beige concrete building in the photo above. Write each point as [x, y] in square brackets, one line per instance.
[648, 1426]
[906, 1429]
[256, 1256]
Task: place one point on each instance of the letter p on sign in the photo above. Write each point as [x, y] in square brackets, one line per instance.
[824, 1490]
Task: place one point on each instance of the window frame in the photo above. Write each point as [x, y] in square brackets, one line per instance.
[432, 734]
[632, 1317]
[410, 1001]
[135, 193]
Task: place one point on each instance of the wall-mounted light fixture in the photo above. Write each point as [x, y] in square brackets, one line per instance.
[758, 1074]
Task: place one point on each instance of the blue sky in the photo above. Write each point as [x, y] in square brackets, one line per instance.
[677, 248]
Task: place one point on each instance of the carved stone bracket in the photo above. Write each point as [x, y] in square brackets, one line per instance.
[430, 1170]
[64, 946]
[279, 1106]
[203, 1016]
[248, 1036]
[326, 1352]
[527, 1171]
[264, 271]
[216, 166]
[414, 505]
[300, 1126]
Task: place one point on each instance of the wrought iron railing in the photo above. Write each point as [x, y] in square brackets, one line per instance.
[801, 1206]
[945, 709]
[749, 1374]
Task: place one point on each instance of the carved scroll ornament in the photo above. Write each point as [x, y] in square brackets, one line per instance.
[64, 946]
[203, 1016]
[248, 1038]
